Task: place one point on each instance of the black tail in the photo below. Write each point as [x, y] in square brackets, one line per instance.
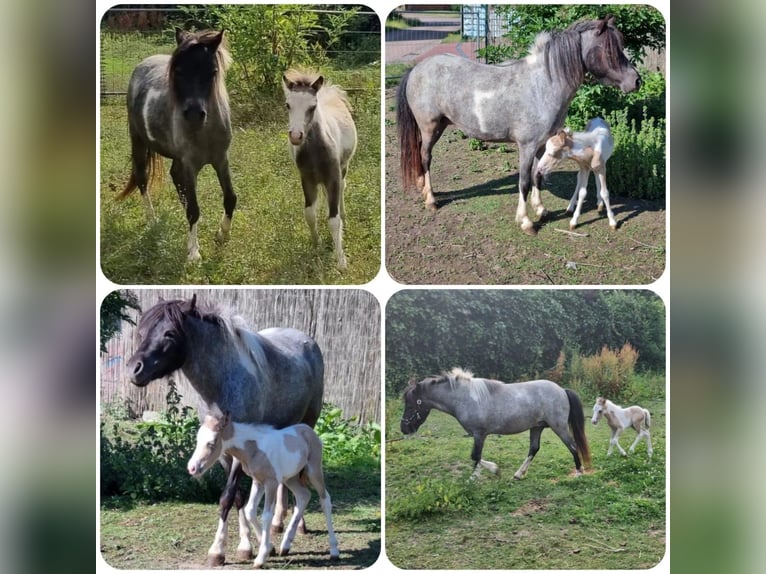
[410, 162]
[577, 426]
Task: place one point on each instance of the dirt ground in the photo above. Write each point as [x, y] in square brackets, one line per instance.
[472, 237]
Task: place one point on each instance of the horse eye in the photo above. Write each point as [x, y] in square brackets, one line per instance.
[287, 106]
[211, 445]
[311, 110]
[169, 335]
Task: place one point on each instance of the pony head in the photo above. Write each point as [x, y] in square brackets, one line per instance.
[598, 410]
[604, 57]
[300, 90]
[163, 347]
[556, 148]
[215, 427]
[415, 409]
[196, 70]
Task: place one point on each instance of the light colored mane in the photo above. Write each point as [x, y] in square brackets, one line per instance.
[330, 97]
[237, 330]
[477, 388]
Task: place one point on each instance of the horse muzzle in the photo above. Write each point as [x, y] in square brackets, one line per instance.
[295, 137]
[195, 115]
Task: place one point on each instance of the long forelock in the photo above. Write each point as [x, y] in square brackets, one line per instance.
[218, 94]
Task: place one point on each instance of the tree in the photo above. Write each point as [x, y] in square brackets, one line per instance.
[114, 312]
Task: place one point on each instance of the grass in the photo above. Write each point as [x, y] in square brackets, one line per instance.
[270, 242]
[176, 535]
[613, 517]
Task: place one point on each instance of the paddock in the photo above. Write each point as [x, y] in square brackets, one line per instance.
[612, 517]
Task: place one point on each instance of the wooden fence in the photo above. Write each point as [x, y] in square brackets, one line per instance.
[344, 322]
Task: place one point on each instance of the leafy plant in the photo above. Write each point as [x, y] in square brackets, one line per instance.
[345, 442]
[431, 496]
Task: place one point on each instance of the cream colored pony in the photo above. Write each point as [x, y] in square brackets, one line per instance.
[620, 419]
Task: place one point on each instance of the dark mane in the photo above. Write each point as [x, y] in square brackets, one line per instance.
[175, 310]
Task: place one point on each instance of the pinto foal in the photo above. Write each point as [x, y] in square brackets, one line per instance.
[590, 149]
[269, 456]
[619, 419]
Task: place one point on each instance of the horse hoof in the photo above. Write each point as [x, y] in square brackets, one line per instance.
[284, 552]
[431, 206]
[531, 230]
[215, 560]
[613, 227]
[572, 226]
[221, 237]
[334, 557]
[244, 554]
[517, 477]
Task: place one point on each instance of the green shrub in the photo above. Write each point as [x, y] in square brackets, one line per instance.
[637, 166]
[345, 443]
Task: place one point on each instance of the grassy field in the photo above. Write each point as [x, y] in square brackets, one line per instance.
[270, 242]
[613, 517]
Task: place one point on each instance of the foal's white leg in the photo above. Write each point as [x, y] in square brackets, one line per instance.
[310, 214]
[326, 503]
[302, 497]
[244, 548]
[251, 508]
[603, 194]
[268, 513]
[616, 442]
[336, 230]
[537, 202]
[581, 192]
[192, 245]
[215, 555]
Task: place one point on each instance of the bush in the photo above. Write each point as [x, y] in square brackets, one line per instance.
[608, 373]
[637, 166]
[147, 460]
[432, 496]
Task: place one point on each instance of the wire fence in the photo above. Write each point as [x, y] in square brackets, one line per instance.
[130, 34]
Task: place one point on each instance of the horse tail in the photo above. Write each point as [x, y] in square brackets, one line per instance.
[410, 162]
[647, 418]
[152, 175]
[577, 426]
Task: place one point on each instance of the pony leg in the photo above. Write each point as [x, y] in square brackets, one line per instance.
[535, 199]
[478, 462]
[302, 497]
[251, 509]
[229, 199]
[563, 433]
[334, 198]
[268, 513]
[615, 441]
[216, 552]
[141, 159]
[189, 192]
[429, 135]
[603, 195]
[534, 446]
[581, 192]
[310, 191]
[244, 548]
[526, 159]
[233, 469]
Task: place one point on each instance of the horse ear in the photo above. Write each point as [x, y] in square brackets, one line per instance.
[181, 35]
[317, 84]
[605, 23]
[193, 304]
[216, 41]
[288, 85]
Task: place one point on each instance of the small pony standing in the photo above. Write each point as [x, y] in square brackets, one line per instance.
[620, 419]
[178, 108]
[323, 139]
[270, 456]
[590, 149]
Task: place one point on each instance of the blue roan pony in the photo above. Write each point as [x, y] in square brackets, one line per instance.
[485, 406]
[178, 108]
[274, 376]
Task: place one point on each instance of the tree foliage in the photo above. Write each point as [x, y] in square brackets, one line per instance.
[642, 26]
[515, 335]
[114, 310]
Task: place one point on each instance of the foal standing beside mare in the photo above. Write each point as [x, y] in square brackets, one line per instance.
[523, 100]
[322, 138]
[619, 419]
[590, 150]
[484, 407]
[274, 376]
[178, 108]
[270, 457]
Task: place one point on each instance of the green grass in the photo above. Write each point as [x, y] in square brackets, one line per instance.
[612, 517]
[270, 242]
[175, 535]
